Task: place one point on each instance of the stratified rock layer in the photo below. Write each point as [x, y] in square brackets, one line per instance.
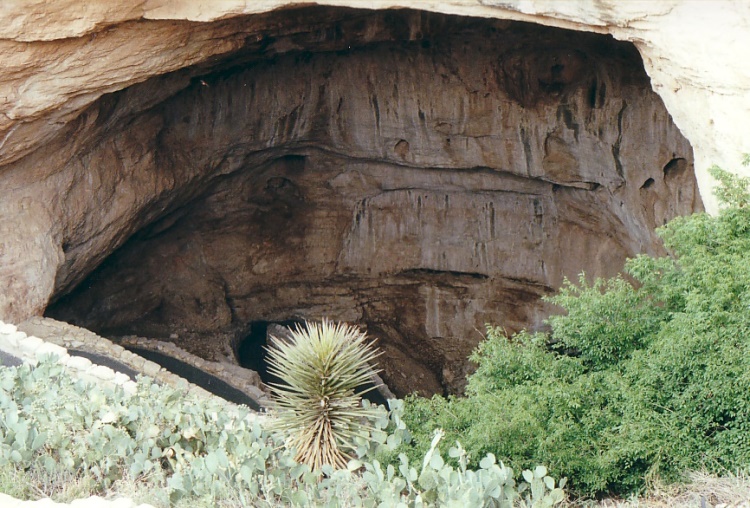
[417, 174]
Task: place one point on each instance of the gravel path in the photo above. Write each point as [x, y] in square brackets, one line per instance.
[8, 360]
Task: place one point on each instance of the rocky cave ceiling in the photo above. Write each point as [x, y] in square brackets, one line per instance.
[417, 174]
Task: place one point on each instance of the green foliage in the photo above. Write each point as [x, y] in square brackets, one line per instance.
[732, 190]
[57, 425]
[633, 382]
[440, 484]
[606, 321]
[316, 405]
[190, 452]
[560, 414]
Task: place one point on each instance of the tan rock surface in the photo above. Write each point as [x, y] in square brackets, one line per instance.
[421, 189]
[695, 53]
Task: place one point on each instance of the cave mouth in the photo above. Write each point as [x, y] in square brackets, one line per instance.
[417, 174]
[251, 351]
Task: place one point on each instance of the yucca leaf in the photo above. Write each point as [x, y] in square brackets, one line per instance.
[317, 402]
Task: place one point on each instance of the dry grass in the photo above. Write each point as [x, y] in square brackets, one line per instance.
[701, 490]
[64, 487]
[37, 485]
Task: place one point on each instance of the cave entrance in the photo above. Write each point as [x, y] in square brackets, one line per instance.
[251, 351]
[417, 174]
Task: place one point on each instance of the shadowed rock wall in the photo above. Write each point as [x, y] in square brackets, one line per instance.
[418, 174]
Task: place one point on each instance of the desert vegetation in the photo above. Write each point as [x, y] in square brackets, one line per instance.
[642, 378]
[317, 403]
[66, 438]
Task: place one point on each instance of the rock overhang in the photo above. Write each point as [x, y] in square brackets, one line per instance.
[68, 249]
[403, 170]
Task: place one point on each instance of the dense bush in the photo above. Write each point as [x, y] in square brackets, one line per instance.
[634, 381]
[190, 452]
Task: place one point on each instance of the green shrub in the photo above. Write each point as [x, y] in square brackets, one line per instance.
[560, 415]
[632, 382]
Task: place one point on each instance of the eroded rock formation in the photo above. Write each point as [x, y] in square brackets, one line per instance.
[415, 173]
[188, 168]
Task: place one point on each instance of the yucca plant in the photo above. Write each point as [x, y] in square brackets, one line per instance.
[317, 403]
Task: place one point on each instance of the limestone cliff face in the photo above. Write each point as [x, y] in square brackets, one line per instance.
[171, 167]
[421, 188]
[59, 56]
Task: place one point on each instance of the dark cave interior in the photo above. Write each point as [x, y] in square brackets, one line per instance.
[416, 174]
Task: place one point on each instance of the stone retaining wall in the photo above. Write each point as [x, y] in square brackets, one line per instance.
[57, 337]
[239, 377]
